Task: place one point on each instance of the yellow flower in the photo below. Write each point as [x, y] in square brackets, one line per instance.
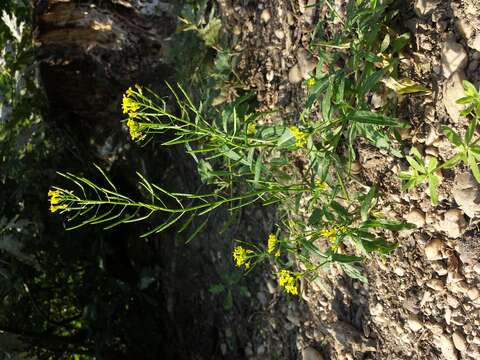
[130, 105]
[288, 281]
[272, 243]
[251, 128]
[56, 197]
[300, 136]
[330, 234]
[241, 256]
[311, 82]
[320, 185]
[129, 93]
[135, 129]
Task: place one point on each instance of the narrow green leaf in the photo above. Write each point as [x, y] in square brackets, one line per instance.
[315, 217]
[433, 182]
[368, 117]
[378, 245]
[385, 43]
[472, 163]
[340, 210]
[327, 101]
[470, 89]
[392, 225]
[400, 42]
[258, 169]
[286, 140]
[452, 135]
[432, 164]
[367, 202]
[345, 259]
[414, 164]
[353, 272]
[216, 289]
[470, 130]
[417, 155]
[370, 82]
[452, 161]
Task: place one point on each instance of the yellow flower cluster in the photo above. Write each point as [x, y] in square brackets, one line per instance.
[311, 82]
[130, 106]
[56, 198]
[272, 244]
[332, 233]
[320, 185]
[251, 128]
[241, 256]
[300, 136]
[289, 281]
[135, 130]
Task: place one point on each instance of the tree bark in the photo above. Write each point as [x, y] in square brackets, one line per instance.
[90, 52]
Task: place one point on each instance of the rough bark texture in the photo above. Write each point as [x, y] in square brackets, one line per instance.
[90, 52]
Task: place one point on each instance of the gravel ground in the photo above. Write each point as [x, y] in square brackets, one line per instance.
[423, 302]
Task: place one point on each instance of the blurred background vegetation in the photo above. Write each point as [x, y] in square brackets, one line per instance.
[83, 294]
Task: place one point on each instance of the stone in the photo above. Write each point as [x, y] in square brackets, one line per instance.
[414, 323]
[379, 99]
[445, 344]
[293, 318]
[460, 287]
[399, 271]
[459, 341]
[439, 268]
[466, 193]
[452, 91]
[436, 284]
[266, 15]
[262, 298]
[475, 43]
[305, 62]
[454, 57]
[376, 310]
[425, 7]
[433, 250]
[272, 289]
[310, 353]
[279, 34]
[473, 293]
[432, 151]
[453, 223]
[452, 302]
[416, 217]
[465, 28]
[295, 75]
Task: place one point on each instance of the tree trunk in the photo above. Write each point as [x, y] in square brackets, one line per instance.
[90, 52]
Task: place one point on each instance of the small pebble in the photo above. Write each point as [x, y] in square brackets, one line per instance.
[310, 353]
[279, 34]
[433, 250]
[266, 15]
[473, 293]
[295, 75]
[414, 323]
[459, 341]
[446, 346]
[416, 217]
[436, 284]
